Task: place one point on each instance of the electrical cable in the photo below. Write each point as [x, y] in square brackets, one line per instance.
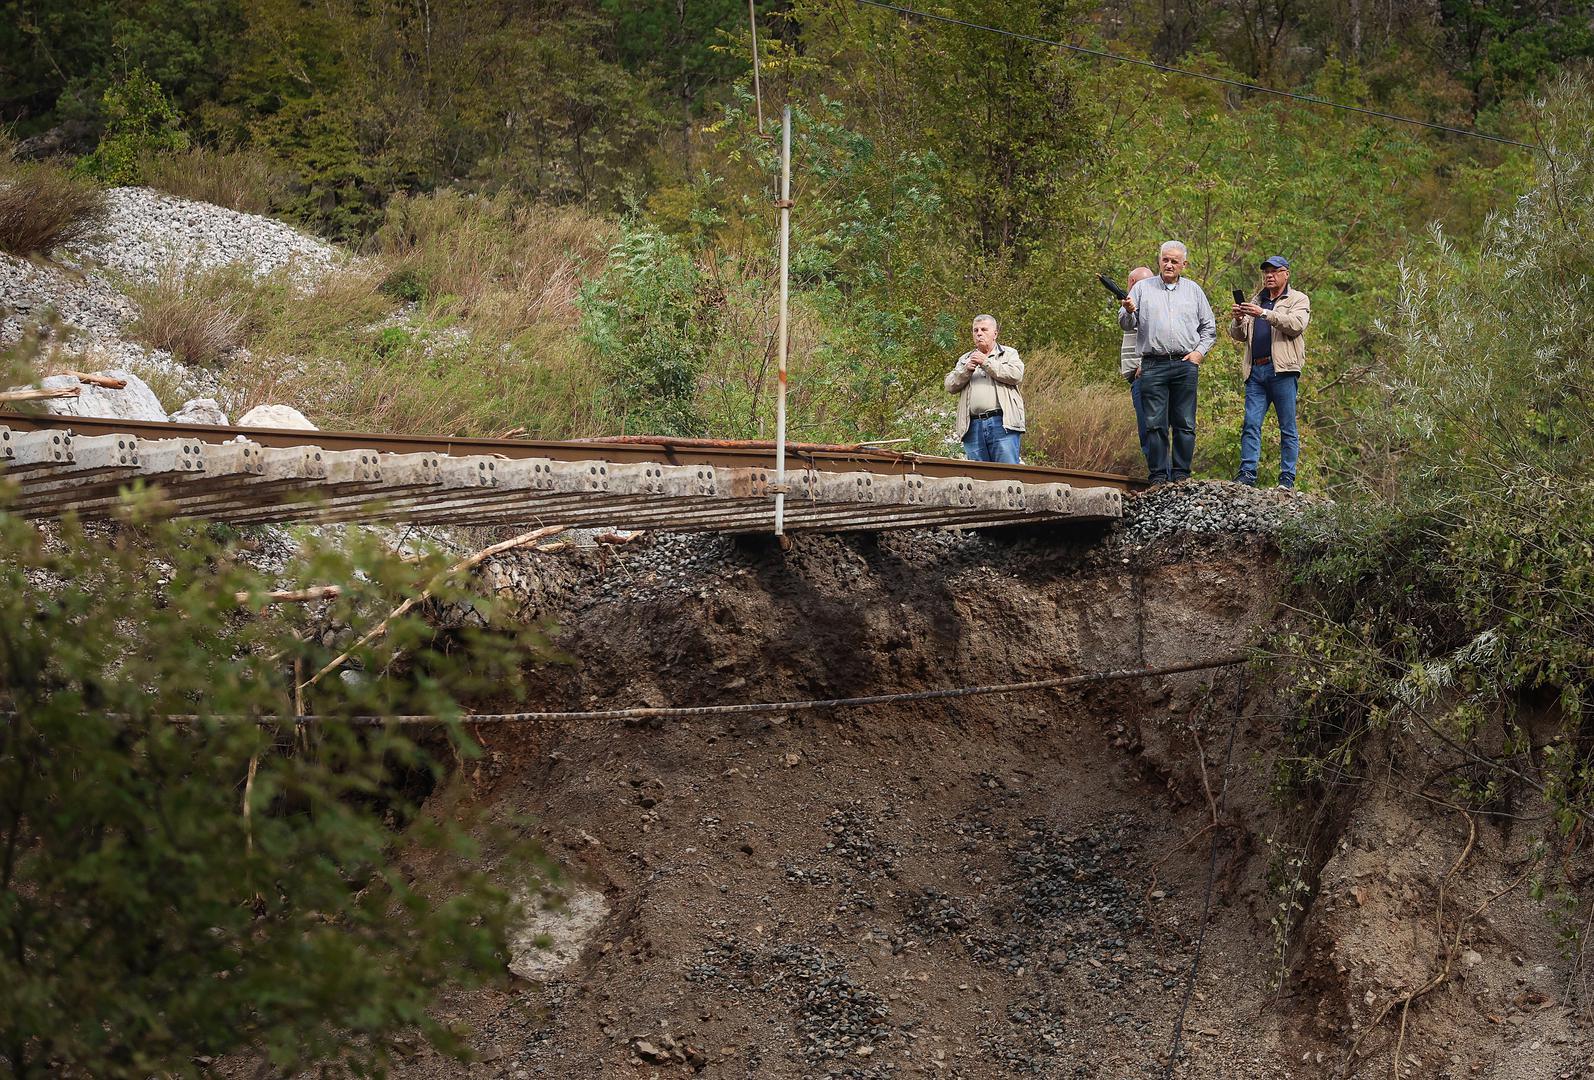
[1103, 54]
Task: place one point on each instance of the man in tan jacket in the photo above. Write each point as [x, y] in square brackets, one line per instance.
[1272, 326]
[987, 381]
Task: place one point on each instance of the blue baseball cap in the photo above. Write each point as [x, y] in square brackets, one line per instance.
[1275, 262]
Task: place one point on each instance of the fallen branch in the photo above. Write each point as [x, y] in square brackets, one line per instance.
[99, 380]
[37, 393]
[464, 564]
[292, 596]
[616, 539]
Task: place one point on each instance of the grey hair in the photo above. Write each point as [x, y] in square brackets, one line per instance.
[1184, 252]
[986, 318]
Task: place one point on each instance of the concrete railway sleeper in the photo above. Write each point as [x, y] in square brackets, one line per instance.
[311, 476]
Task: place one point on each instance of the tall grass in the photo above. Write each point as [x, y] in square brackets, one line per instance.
[203, 316]
[244, 180]
[44, 207]
[451, 384]
[1078, 424]
[504, 265]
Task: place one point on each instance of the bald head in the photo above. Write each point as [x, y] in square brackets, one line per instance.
[1139, 274]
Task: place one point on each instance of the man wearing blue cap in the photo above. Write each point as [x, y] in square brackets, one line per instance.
[1272, 326]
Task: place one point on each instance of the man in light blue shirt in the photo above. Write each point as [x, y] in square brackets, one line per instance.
[1175, 329]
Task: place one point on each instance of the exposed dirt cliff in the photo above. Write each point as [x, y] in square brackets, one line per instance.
[998, 886]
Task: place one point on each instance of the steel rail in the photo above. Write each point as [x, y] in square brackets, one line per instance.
[875, 461]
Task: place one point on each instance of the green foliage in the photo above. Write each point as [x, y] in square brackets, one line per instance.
[1456, 598]
[647, 317]
[140, 123]
[186, 873]
[681, 46]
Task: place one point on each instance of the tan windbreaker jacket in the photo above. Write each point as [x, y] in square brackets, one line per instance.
[1289, 318]
[1007, 372]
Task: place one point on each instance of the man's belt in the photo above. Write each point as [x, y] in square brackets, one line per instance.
[985, 415]
[1150, 356]
[1258, 361]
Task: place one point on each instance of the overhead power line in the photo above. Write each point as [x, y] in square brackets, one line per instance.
[1103, 54]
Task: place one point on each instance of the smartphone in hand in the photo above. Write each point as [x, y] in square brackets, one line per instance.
[1239, 296]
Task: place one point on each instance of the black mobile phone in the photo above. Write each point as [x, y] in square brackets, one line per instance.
[1111, 286]
[1239, 296]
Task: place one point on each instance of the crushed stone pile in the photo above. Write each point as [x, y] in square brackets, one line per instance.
[1209, 507]
[146, 233]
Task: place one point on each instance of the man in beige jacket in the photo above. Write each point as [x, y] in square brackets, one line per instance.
[1272, 326]
[987, 380]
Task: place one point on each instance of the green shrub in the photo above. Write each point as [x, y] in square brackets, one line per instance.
[140, 124]
[1454, 597]
[231, 883]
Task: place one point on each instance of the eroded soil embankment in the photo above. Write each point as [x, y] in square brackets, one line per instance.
[985, 887]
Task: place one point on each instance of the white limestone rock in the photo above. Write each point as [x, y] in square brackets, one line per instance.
[135, 401]
[276, 416]
[200, 411]
[554, 931]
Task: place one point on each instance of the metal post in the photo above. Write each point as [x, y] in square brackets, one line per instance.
[758, 93]
[780, 392]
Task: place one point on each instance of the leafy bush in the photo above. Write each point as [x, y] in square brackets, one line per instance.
[648, 318]
[43, 207]
[140, 123]
[1455, 598]
[244, 180]
[190, 874]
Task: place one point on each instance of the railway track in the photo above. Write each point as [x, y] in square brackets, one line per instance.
[84, 465]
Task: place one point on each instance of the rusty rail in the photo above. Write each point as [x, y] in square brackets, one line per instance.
[622, 450]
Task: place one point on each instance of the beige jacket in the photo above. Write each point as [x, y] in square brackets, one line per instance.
[1288, 318]
[1006, 371]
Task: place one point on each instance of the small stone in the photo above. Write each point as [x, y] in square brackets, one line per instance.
[276, 416]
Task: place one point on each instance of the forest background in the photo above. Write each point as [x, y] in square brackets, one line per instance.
[606, 155]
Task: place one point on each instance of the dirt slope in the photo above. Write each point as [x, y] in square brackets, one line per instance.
[997, 886]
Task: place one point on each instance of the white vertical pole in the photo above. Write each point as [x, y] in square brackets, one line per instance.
[780, 391]
[758, 93]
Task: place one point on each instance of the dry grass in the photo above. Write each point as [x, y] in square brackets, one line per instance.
[200, 317]
[504, 266]
[244, 180]
[1078, 425]
[43, 207]
[433, 383]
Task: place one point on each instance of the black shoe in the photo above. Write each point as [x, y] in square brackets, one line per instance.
[1248, 481]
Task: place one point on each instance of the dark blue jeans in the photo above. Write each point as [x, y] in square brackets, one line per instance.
[1268, 387]
[1140, 417]
[988, 440]
[1168, 395]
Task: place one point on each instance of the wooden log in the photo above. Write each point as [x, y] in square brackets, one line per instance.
[36, 393]
[292, 596]
[99, 380]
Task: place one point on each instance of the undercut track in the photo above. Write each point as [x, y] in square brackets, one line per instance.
[83, 466]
